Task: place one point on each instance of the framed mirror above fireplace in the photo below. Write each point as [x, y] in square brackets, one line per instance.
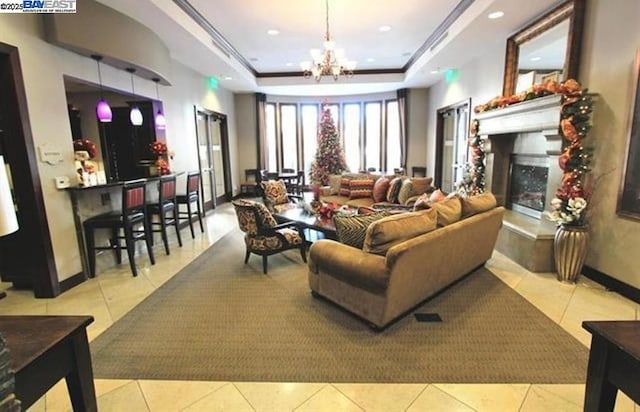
[546, 49]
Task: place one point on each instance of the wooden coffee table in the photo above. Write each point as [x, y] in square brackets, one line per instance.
[315, 227]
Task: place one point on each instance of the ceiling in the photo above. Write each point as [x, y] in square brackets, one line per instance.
[394, 59]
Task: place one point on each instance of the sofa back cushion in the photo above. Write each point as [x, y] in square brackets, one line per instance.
[405, 191]
[388, 232]
[421, 185]
[351, 230]
[449, 210]
[477, 204]
[334, 184]
[394, 188]
[360, 188]
[380, 189]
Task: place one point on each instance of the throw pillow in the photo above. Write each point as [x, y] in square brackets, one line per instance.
[275, 192]
[477, 204]
[351, 230]
[380, 189]
[385, 233]
[344, 187]
[394, 189]
[422, 202]
[405, 191]
[267, 219]
[421, 185]
[360, 188]
[449, 210]
[334, 184]
[437, 196]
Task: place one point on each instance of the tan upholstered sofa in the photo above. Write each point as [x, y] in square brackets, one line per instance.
[338, 192]
[406, 258]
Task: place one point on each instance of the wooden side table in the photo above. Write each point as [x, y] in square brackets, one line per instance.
[614, 363]
[45, 349]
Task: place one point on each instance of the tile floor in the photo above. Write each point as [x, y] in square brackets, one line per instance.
[114, 292]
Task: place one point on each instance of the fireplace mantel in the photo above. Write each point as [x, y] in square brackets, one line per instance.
[541, 114]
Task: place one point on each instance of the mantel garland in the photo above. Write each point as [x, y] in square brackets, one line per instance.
[569, 205]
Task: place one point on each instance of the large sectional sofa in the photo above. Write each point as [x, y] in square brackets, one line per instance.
[371, 190]
[406, 258]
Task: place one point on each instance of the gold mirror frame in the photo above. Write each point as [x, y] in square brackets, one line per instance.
[572, 10]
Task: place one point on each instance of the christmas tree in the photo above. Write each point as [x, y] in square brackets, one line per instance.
[329, 159]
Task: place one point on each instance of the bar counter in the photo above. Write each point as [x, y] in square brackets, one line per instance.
[89, 201]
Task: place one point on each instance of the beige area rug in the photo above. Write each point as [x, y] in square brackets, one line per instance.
[221, 320]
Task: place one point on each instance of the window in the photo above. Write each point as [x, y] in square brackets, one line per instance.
[373, 126]
[352, 135]
[309, 134]
[288, 126]
[393, 136]
[271, 149]
[369, 132]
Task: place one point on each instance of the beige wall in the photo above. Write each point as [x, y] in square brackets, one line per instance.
[43, 67]
[245, 107]
[611, 38]
[418, 109]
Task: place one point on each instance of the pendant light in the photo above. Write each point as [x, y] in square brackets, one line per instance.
[103, 111]
[135, 115]
[161, 122]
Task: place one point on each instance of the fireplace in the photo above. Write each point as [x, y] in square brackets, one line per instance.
[528, 177]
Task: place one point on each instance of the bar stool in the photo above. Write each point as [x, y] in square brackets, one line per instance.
[132, 214]
[192, 195]
[166, 204]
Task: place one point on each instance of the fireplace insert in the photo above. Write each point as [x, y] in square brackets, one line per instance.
[528, 178]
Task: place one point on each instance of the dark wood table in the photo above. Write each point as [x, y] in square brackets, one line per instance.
[325, 227]
[45, 349]
[614, 363]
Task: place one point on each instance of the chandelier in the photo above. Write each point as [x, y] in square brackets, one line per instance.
[331, 62]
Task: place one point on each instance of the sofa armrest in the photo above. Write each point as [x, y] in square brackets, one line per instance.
[349, 264]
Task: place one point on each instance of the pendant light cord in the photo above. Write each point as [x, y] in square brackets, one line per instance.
[328, 37]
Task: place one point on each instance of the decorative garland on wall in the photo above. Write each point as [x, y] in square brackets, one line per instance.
[569, 206]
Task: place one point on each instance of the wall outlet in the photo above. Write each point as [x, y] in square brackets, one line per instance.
[105, 198]
[62, 182]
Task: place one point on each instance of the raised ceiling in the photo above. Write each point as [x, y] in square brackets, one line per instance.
[354, 24]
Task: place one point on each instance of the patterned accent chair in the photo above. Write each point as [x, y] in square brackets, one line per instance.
[263, 236]
[276, 197]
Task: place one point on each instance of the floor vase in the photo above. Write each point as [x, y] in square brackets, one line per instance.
[570, 250]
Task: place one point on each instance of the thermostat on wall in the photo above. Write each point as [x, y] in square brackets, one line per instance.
[62, 182]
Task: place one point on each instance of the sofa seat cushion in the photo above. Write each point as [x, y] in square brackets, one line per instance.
[449, 210]
[340, 200]
[388, 232]
[473, 205]
[356, 203]
[351, 230]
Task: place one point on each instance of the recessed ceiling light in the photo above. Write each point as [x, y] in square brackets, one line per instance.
[253, 59]
[434, 71]
[406, 54]
[289, 64]
[228, 78]
[384, 28]
[371, 59]
[535, 59]
[273, 32]
[495, 15]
